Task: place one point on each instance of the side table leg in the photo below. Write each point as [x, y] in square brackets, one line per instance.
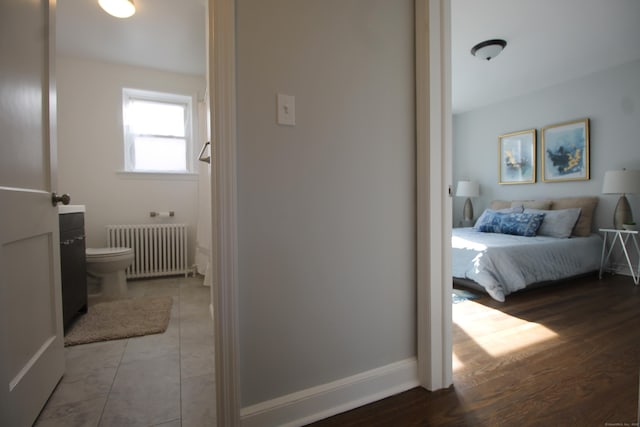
[636, 278]
[635, 243]
[604, 247]
[605, 258]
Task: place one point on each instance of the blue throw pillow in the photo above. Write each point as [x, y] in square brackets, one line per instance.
[489, 212]
[520, 224]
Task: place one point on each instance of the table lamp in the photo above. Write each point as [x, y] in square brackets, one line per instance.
[468, 189]
[621, 182]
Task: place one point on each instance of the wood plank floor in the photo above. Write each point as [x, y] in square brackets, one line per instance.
[567, 355]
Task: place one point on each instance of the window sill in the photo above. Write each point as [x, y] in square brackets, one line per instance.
[173, 176]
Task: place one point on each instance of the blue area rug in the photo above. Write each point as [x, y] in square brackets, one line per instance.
[459, 296]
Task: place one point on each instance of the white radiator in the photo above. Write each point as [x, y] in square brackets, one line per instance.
[160, 249]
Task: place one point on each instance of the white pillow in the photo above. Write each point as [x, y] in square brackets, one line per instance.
[557, 223]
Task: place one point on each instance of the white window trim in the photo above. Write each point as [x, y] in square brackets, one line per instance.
[155, 96]
[176, 176]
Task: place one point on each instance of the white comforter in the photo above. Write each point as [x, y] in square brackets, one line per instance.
[503, 263]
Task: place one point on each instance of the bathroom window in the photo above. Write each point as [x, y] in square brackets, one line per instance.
[157, 132]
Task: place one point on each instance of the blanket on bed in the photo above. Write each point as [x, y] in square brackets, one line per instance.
[503, 263]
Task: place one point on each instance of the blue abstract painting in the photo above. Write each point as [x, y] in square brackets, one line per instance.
[517, 157]
[566, 151]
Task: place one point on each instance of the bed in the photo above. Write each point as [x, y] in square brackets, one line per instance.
[499, 261]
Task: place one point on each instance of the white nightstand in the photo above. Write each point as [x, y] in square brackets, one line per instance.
[625, 237]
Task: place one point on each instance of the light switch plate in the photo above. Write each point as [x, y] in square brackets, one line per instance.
[286, 106]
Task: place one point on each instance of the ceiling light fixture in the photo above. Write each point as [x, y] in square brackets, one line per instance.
[488, 49]
[118, 8]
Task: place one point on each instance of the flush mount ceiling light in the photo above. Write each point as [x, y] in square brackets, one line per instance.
[488, 49]
[118, 8]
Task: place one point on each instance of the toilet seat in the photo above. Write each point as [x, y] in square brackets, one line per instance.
[95, 254]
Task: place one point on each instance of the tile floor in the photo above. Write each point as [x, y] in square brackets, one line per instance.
[156, 380]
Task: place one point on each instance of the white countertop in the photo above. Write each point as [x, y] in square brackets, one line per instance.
[66, 209]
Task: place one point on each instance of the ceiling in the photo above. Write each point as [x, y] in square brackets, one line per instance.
[549, 41]
[163, 34]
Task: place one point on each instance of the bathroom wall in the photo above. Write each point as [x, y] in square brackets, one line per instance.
[90, 148]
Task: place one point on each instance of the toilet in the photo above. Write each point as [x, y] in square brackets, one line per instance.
[108, 265]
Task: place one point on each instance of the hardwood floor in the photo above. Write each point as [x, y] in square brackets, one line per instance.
[567, 355]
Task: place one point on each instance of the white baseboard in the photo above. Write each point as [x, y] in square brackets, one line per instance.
[316, 403]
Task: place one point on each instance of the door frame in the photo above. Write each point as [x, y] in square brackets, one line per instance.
[433, 184]
[433, 200]
[222, 94]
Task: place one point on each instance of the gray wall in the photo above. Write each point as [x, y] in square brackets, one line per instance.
[610, 99]
[326, 208]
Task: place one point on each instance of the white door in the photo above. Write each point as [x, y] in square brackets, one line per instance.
[31, 338]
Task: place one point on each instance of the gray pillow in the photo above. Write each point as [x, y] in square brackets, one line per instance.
[557, 223]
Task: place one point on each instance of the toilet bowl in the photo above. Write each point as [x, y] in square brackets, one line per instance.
[108, 265]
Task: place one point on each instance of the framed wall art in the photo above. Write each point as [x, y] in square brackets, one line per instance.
[565, 151]
[517, 157]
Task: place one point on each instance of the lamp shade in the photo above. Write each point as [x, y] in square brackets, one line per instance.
[118, 8]
[468, 189]
[621, 182]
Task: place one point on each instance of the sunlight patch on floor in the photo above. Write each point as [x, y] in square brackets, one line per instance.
[504, 334]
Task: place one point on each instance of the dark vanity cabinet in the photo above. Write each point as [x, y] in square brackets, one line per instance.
[73, 266]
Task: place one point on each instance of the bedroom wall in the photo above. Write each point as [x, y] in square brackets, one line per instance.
[326, 208]
[610, 99]
[90, 147]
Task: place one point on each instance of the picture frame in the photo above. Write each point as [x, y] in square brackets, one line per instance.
[517, 157]
[565, 151]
